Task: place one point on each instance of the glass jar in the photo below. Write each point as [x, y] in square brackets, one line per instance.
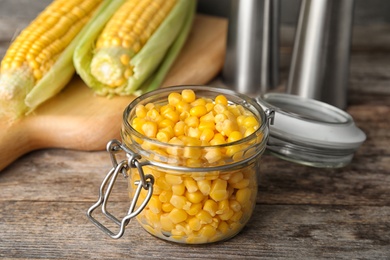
[187, 194]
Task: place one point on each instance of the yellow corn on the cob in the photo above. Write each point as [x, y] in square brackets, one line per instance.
[123, 37]
[37, 49]
[118, 57]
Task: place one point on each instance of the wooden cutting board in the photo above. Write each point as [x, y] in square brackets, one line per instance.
[78, 119]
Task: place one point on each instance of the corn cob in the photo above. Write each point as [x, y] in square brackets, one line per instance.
[38, 64]
[136, 47]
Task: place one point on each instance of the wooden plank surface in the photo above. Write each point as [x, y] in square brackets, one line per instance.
[301, 212]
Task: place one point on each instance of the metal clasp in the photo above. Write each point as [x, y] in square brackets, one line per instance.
[270, 113]
[146, 182]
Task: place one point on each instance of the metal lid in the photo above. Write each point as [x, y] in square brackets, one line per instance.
[311, 132]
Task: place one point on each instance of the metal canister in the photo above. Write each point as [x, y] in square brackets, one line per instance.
[252, 55]
[320, 62]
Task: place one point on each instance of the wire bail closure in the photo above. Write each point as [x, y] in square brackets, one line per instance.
[146, 182]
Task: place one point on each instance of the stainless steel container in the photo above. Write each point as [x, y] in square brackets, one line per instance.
[251, 62]
[320, 62]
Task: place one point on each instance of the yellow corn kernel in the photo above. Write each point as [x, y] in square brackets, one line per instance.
[250, 121]
[207, 117]
[151, 217]
[194, 224]
[166, 222]
[213, 154]
[226, 215]
[234, 205]
[218, 190]
[223, 227]
[236, 177]
[173, 179]
[149, 129]
[209, 106]
[154, 204]
[240, 184]
[180, 128]
[167, 207]
[192, 121]
[177, 234]
[208, 231]
[211, 207]
[188, 95]
[177, 215]
[204, 186]
[236, 216]
[191, 162]
[172, 115]
[165, 196]
[183, 106]
[199, 102]
[243, 195]
[204, 217]
[234, 136]
[178, 189]
[192, 152]
[223, 207]
[221, 99]
[195, 239]
[198, 111]
[166, 123]
[162, 184]
[190, 184]
[194, 209]
[194, 197]
[174, 98]
[194, 132]
[207, 135]
[178, 201]
[141, 111]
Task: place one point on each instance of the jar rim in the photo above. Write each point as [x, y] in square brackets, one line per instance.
[247, 102]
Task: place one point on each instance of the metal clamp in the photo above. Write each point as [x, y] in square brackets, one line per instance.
[146, 182]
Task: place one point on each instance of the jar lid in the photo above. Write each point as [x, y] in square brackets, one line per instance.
[311, 132]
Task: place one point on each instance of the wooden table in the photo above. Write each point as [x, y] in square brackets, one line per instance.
[301, 212]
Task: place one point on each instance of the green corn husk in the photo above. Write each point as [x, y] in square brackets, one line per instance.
[151, 63]
[20, 95]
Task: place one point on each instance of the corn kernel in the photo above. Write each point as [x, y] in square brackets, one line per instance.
[178, 189]
[166, 222]
[141, 111]
[194, 209]
[250, 121]
[236, 177]
[165, 196]
[204, 186]
[167, 207]
[192, 121]
[243, 196]
[226, 215]
[194, 197]
[154, 204]
[235, 205]
[218, 190]
[194, 224]
[188, 95]
[149, 129]
[190, 184]
[198, 111]
[177, 215]
[204, 217]
[173, 179]
[207, 117]
[221, 99]
[211, 207]
[234, 136]
[236, 216]
[241, 184]
[207, 231]
[223, 207]
[223, 227]
[182, 106]
[174, 98]
[178, 201]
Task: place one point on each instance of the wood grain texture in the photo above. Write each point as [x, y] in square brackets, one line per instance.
[301, 212]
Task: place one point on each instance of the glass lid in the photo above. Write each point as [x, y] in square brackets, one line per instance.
[311, 132]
